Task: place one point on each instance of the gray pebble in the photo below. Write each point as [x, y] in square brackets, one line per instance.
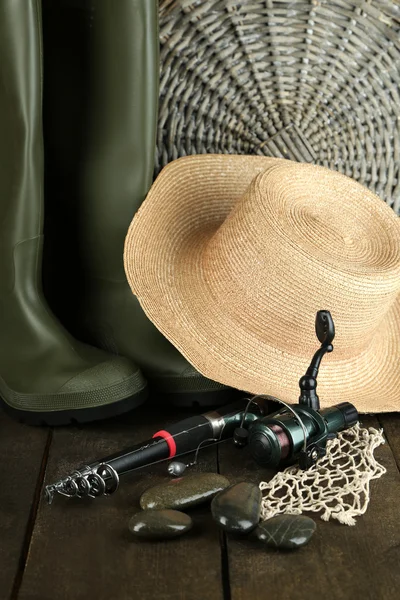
[159, 524]
[183, 492]
[237, 508]
[286, 531]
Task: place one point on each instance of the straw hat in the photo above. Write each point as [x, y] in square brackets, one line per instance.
[232, 256]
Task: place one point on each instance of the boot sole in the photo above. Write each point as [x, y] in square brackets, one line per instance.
[73, 416]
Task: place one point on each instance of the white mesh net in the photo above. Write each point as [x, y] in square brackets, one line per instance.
[338, 485]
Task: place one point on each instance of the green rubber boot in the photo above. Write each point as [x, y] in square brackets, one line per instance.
[100, 116]
[46, 376]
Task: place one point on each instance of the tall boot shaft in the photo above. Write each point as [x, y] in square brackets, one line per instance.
[101, 100]
[21, 147]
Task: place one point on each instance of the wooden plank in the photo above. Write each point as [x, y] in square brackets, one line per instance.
[391, 425]
[82, 549]
[340, 562]
[22, 449]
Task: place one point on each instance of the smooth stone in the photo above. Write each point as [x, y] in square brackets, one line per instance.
[183, 492]
[286, 531]
[237, 508]
[159, 524]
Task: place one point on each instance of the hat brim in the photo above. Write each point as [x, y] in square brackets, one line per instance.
[187, 204]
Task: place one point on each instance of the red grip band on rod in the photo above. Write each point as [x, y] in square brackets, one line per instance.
[170, 441]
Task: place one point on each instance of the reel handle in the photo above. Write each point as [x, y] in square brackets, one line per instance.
[325, 331]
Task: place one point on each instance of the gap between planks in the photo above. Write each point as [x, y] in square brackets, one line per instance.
[32, 518]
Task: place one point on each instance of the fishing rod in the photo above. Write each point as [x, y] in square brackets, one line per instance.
[293, 433]
[102, 477]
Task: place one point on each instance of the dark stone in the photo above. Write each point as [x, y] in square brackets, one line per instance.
[183, 492]
[237, 509]
[286, 531]
[159, 524]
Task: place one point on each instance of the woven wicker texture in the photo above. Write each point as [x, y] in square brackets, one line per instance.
[311, 81]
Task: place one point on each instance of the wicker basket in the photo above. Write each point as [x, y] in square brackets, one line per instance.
[311, 81]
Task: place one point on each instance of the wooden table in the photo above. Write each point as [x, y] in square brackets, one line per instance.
[81, 549]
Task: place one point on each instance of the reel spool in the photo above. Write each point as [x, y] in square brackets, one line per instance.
[299, 434]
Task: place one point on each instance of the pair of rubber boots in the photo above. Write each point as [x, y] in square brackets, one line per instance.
[94, 71]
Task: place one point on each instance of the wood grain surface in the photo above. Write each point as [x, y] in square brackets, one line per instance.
[79, 549]
[82, 549]
[22, 450]
[340, 562]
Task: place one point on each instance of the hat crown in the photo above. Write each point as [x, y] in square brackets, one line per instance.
[300, 239]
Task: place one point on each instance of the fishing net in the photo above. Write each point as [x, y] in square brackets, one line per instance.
[338, 486]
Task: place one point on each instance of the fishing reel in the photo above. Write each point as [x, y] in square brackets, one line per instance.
[299, 433]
